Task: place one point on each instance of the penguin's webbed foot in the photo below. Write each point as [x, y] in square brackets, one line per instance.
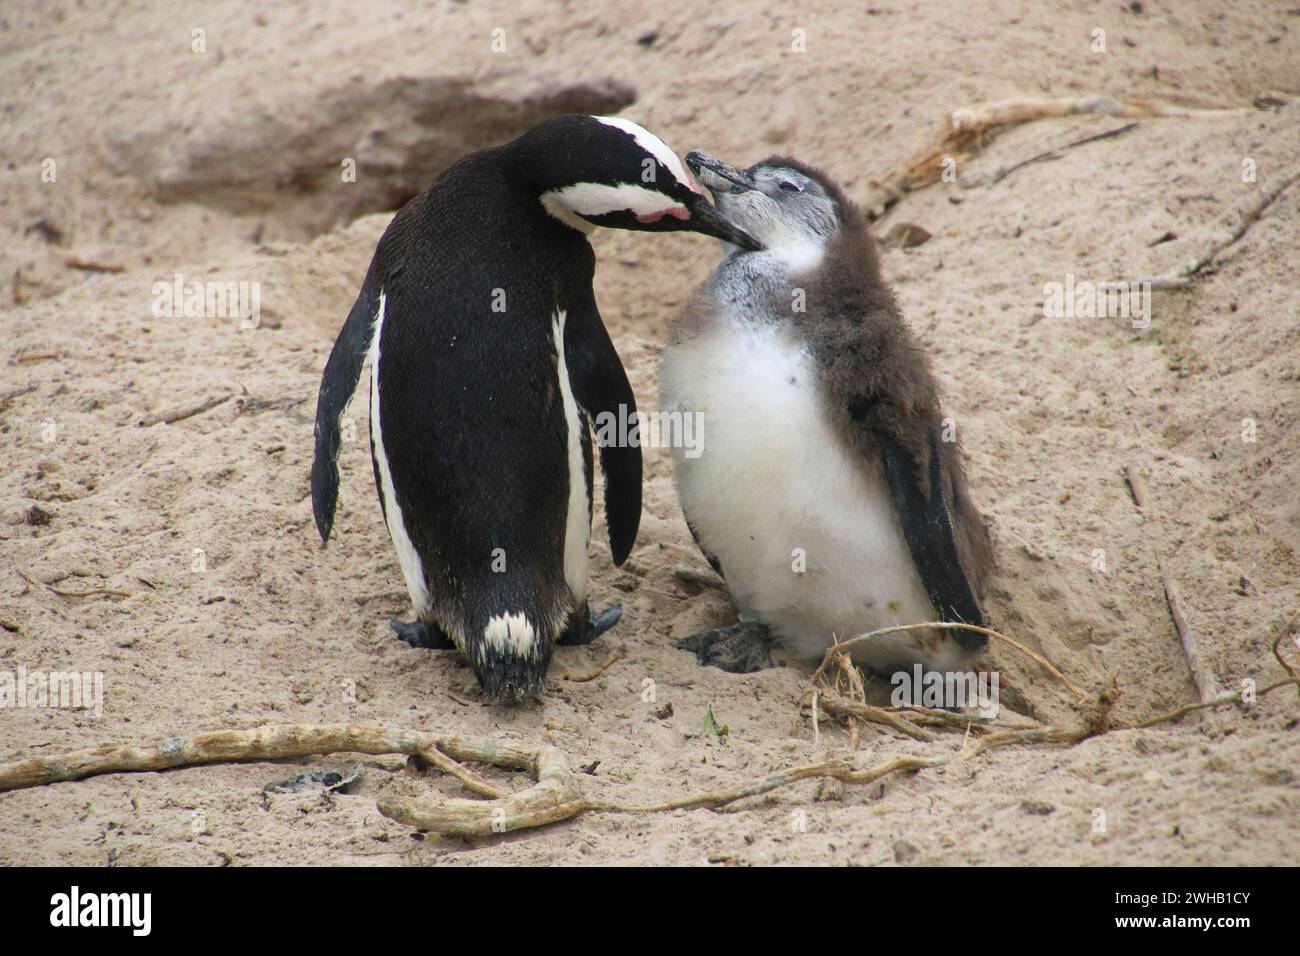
[585, 626]
[421, 634]
[739, 649]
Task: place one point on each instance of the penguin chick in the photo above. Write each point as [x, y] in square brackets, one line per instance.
[488, 363]
[828, 493]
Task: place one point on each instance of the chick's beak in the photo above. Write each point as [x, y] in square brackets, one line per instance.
[706, 219]
[717, 176]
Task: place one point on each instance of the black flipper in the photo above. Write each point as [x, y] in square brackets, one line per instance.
[927, 526]
[337, 384]
[600, 386]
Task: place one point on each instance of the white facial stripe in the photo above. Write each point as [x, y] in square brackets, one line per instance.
[407, 556]
[556, 207]
[653, 145]
[597, 199]
[511, 632]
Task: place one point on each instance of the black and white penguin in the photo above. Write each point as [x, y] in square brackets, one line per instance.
[488, 360]
[825, 492]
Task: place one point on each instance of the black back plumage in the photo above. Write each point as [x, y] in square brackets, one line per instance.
[475, 431]
[471, 275]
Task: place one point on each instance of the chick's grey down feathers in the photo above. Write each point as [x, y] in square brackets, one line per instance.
[879, 378]
[882, 397]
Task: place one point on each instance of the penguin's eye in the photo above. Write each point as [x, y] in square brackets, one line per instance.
[790, 186]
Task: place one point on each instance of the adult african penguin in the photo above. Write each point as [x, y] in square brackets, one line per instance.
[828, 493]
[488, 361]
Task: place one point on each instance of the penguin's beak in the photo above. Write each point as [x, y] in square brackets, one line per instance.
[706, 219]
[716, 176]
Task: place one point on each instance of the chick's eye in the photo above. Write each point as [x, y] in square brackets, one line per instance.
[790, 187]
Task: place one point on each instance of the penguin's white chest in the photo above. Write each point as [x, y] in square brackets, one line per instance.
[806, 533]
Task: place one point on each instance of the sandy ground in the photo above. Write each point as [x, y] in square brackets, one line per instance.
[224, 164]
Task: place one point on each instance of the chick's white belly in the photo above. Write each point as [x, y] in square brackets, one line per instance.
[774, 491]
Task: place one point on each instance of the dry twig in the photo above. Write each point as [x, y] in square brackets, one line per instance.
[554, 797]
[1206, 686]
[1223, 697]
[834, 769]
[1060, 150]
[10, 395]
[1277, 652]
[1182, 277]
[184, 412]
[64, 592]
[1137, 486]
[541, 803]
[599, 669]
[845, 686]
[472, 781]
[965, 131]
[952, 626]
[839, 707]
[88, 265]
